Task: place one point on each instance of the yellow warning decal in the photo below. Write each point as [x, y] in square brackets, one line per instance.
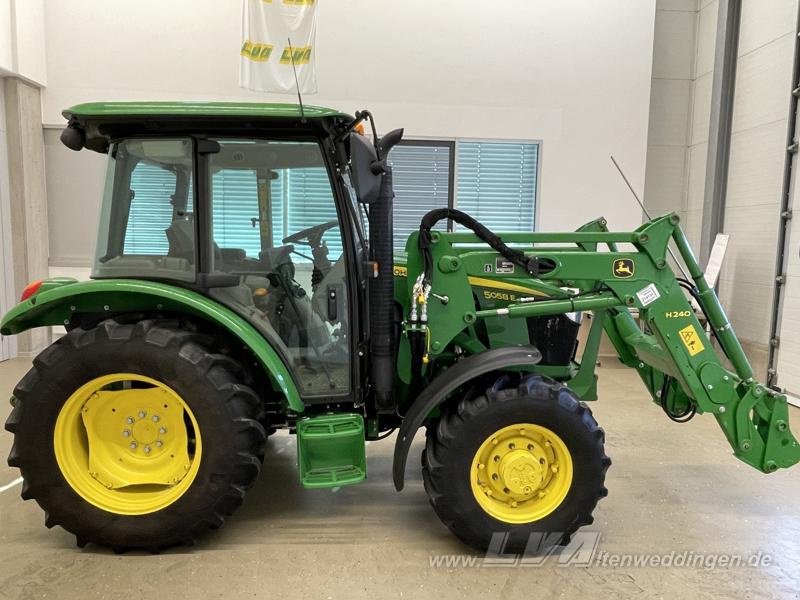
[691, 339]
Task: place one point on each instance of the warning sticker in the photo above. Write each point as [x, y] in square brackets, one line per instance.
[691, 339]
[648, 295]
[501, 265]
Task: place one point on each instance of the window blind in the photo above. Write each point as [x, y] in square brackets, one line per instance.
[301, 198]
[151, 210]
[496, 183]
[235, 204]
[310, 202]
[421, 178]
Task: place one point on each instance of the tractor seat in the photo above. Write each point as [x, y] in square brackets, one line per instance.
[180, 235]
[181, 239]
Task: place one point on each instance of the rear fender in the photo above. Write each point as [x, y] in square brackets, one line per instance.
[58, 301]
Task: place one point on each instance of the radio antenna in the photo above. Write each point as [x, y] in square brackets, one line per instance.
[647, 214]
[296, 82]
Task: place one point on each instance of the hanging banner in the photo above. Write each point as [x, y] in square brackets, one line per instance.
[266, 58]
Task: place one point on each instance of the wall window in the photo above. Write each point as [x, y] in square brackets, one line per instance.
[422, 176]
[496, 184]
[493, 181]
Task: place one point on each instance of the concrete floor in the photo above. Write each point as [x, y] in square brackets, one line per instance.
[672, 488]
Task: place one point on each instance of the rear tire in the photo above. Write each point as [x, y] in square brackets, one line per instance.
[450, 463]
[225, 411]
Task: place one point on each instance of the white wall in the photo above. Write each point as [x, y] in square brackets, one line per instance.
[74, 190]
[7, 344]
[760, 118]
[6, 54]
[23, 40]
[674, 75]
[574, 74]
[759, 124]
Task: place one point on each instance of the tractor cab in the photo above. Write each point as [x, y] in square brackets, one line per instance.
[260, 217]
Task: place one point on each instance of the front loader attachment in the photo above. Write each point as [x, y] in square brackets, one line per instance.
[676, 360]
[618, 276]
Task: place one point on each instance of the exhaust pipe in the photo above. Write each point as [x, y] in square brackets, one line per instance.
[381, 288]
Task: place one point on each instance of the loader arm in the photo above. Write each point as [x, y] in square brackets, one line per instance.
[615, 275]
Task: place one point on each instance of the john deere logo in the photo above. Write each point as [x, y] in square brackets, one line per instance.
[624, 268]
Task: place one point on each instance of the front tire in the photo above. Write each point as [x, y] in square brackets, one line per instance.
[135, 435]
[517, 469]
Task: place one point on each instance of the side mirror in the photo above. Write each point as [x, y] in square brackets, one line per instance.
[389, 141]
[365, 166]
[362, 158]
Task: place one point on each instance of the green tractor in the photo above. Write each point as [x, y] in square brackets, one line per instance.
[245, 281]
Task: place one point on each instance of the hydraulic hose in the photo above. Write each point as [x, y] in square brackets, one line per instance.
[530, 264]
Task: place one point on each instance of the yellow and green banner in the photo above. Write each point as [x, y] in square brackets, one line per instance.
[277, 38]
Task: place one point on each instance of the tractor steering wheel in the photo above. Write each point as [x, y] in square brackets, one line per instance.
[312, 236]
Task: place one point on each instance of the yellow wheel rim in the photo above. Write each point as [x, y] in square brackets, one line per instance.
[127, 444]
[521, 473]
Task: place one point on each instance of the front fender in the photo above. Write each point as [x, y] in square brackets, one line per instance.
[59, 300]
[440, 388]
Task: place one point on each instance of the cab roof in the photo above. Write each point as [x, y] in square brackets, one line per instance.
[101, 122]
[200, 109]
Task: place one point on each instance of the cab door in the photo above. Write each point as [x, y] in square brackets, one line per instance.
[275, 228]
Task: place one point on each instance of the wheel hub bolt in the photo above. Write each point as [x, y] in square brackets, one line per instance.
[162, 430]
[146, 449]
[159, 443]
[126, 432]
[155, 418]
[134, 445]
[142, 414]
[129, 420]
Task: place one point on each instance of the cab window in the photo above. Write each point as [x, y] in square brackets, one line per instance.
[275, 227]
[147, 226]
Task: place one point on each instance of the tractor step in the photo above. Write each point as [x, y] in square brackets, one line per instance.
[331, 450]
